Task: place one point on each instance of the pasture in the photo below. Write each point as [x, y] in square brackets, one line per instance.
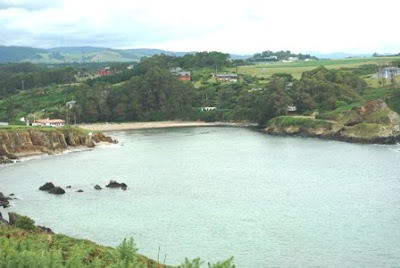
[298, 67]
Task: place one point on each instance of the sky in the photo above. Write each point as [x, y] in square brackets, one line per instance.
[236, 27]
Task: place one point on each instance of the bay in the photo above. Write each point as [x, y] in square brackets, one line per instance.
[216, 192]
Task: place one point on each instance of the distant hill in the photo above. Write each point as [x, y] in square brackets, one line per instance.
[84, 54]
[16, 54]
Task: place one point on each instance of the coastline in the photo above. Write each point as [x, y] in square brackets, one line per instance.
[110, 127]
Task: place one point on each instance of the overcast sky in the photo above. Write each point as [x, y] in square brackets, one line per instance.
[241, 27]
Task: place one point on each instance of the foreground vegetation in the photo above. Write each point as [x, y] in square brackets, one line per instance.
[25, 245]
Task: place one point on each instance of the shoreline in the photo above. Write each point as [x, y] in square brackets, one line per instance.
[111, 127]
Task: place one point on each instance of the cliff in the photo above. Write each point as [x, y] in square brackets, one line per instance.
[373, 122]
[15, 142]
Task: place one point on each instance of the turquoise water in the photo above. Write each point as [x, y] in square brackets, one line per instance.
[220, 192]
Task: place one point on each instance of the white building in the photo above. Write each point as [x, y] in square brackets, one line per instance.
[49, 123]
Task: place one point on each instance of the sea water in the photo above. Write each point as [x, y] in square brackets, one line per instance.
[214, 192]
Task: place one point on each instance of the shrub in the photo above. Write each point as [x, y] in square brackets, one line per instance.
[25, 223]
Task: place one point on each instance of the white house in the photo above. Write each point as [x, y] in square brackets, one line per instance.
[207, 108]
[388, 72]
[291, 108]
[227, 78]
[3, 124]
[49, 123]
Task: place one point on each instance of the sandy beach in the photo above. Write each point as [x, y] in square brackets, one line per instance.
[108, 127]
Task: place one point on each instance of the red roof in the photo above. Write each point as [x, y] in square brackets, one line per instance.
[50, 121]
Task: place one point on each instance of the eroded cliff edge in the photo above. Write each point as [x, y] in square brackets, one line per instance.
[373, 122]
[17, 142]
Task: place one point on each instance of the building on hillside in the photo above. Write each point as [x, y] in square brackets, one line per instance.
[49, 123]
[389, 72]
[3, 123]
[291, 109]
[227, 78]
[105, 71]
[70, 104]
[207, 109]
[181, 74]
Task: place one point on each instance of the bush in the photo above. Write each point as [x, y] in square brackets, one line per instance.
[25, 223]
[340, 104]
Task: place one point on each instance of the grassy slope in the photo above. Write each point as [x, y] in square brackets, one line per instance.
[38, 100]
[37, 248]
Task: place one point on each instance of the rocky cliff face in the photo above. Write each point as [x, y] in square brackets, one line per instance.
[17, 142]
[376, 123]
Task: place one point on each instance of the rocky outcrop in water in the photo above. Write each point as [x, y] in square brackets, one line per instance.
[47, 186]
[115, 184]
[4, 201]
[51, 188]
[57, 190]
[374, 122]
[97, 187]
[27, 140]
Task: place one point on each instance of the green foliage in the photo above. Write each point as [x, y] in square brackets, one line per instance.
[23, 77]
[287, 121]
[278, 56]
[326, 87]
[394, 101]
[25, 223]
[339, 104]
[196, 263]
[127, 255]
[20, 248]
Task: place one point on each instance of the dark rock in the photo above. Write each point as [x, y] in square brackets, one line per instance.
[5, 160]
[44, 229]
[57, 190]
[97, 187]
[13, 217]
[115, 184]
[11, 194]
[91, 144]
[4, 201]
[79, 191]
[68, 187]
[2, 196]
[47, 186]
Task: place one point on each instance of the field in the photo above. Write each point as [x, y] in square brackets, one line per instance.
[297, 68]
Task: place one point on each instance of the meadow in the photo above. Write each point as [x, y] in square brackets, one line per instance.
[298, 67]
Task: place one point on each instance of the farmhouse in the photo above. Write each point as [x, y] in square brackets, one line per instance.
[49, 123]
[389, 72]
[227, 78]
[291, 108]
[181, 74]
[104, 72]
[207, 108]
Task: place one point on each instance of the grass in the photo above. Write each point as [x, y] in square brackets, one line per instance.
[13, 128]
[288, 121]
[33, 248]
[38, 101]
[297, 68]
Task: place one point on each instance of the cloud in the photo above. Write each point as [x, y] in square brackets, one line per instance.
[246, 27]
[28, 4]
